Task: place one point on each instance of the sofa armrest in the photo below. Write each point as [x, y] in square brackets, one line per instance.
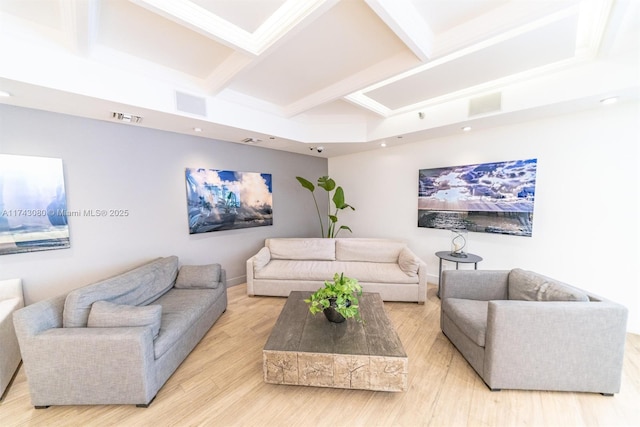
[64, 365]
[568, 345]
[39, 317]
[482, 285]
[12, 288]
[254, 263]
[71, 366]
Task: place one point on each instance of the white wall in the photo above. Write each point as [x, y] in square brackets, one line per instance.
[585, 228]
[116, 166]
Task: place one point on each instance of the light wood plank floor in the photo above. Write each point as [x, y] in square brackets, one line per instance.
[220, 384]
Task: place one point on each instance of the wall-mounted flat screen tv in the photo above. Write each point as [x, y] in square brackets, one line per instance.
[227, 200]
[33, 205]
[489, 197]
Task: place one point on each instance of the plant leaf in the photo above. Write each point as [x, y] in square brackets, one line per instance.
[327, 183]
[306, 184]
[338, 198]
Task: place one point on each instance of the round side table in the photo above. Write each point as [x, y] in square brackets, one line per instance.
[446, 255]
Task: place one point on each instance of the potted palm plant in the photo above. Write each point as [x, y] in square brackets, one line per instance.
[338, 300]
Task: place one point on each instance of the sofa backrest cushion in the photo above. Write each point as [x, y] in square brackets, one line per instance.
[139, 286]
[530, 286]
[104, 314]
[317, 249]
[368, 250]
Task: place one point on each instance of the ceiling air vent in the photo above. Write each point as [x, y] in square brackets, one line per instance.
[191, 104]
[485, 104]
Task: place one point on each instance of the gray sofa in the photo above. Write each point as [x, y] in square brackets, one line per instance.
[521, 330]
[386, 266]
[119, 340]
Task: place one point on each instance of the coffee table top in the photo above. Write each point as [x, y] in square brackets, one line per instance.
[297, 330]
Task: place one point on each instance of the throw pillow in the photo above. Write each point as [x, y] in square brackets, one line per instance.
[408, 262]
[262, 258]
[198, 276]
[105, 314]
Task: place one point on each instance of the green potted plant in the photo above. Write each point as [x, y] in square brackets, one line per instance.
[338, 300]
[328, 185]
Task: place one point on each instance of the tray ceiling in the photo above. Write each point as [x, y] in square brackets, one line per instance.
[297, 73]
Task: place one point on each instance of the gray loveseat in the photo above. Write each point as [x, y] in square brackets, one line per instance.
[386, 266]
[522, 330]
[119, 340]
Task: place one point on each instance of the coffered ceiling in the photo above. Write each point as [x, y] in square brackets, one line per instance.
[346, 75]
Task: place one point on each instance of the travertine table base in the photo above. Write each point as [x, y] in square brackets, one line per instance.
[304, 349]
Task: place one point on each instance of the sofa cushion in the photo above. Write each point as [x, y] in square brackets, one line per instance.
[307, 249]
[104, 314]
[469, 315]
[181, 308]
[324, 270]
[139, 286]
[198, 276]
[408, 262]
[368, 250]
[530, 286]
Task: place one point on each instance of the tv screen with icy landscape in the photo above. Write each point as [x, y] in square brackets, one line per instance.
[493, 197]
[227, 200]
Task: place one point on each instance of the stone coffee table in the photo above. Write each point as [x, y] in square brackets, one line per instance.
[304, 349]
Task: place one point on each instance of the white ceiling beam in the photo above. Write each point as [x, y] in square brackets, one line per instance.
[80, 23]
[405, 21]
[291, 14]
[347, 85]
[222, 76]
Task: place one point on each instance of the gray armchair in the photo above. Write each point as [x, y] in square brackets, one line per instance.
[522, 330]
[11, 299]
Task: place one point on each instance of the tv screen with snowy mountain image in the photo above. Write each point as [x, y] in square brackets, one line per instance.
[226, 200]
[489, 197]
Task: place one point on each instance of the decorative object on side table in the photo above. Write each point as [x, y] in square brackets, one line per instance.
[338, 300]
[458, 242]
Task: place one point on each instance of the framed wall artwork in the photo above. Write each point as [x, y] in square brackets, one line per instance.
[226, 200]
[490, 197]
[33, 205]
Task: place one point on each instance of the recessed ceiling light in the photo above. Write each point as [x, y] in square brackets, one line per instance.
[197, 129]
[384, 144]
[4, 94]
[609, 101]
[466, 128]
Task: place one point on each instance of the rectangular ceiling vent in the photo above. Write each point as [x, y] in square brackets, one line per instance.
[191, 104]
[485, 104]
